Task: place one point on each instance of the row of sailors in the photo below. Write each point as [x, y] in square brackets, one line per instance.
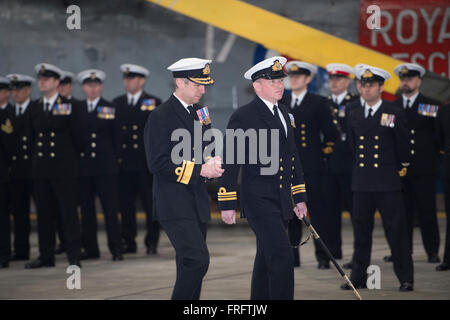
[43, 143]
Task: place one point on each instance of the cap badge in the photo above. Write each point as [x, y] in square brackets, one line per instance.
[404, 70]
[206, 69]
[42, 68]
[367, 74]
[93, 75]
[294, 68]
[277, 66]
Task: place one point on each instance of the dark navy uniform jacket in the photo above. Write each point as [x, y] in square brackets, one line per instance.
[131, 121]
[179, 192]
[314, 129]
[100, 155]
[19, 143]
[380, 148]
[262, 194]
[60, 136]
[424, 140]
[4, 131]
[340, 160]
[443, 129]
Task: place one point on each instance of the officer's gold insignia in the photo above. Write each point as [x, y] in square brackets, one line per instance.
[7, 127]
[294, 68]
[127, 70]
[42, 68]
[15, 78]
[93, 75]
[206, 70]
[277, 66]
[367, 74]
[347, 97]
[58, 101]
[404, 70]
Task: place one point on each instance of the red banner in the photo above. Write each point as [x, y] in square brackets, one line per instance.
[410, 30]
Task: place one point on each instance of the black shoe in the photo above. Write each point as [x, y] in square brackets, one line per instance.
[406, 286]
[129, 249]
[324, 265]
[38, 263]
[443, 266]
[387, 258]
[60, 249]
[152, 251]
[86, 256]
[346, 286]
[347, 265]
[18, 257]
[4, 265]
[117, 257]
[434, 258]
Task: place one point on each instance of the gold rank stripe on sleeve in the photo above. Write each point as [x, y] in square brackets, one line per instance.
[223, 195]
[184, 172]
[300, 188]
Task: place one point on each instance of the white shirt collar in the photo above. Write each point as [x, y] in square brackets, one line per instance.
[374, 108]
[185, 105]
[363, 102]
[23, 106]
[134, 96]
[94, 102]
[51, 100]
[3, 107]
[299, 97]
[340, 97]
[411, 99]
[268, 104]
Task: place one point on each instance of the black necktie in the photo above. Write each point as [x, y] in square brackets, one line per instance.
[295, 103]
[47, 106]
[370, 113]
[131, 102]
[277, 119]
[407, 104]
[192, 112]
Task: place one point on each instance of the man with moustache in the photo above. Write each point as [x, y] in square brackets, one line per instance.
[419, 185]
[378, 136]
[132, 111]
[60, 136]
[180, 197]
[19, 145]
[315, 135]
[99, 169]
[268, 199]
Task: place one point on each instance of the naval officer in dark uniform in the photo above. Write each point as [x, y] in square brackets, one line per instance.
[378, 136]
[6, 129]
[270, 190]
[419, 184]
[99, 168]
[19, 149]
[315, 135]
[338, 184]
[60, 136]
[180, 197]
[132, 111]
[443, 129]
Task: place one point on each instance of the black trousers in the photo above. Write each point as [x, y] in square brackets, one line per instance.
[419, 194]
[447, 210]
[273, 270]
[55, 196]
[5, 231]
[130, 185]
[21, 193]
[106, 188]
[317, 212]
[188, 237]
[338, 194]
[390, 205]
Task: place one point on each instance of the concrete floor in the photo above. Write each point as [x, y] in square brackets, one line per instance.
[232, 250]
